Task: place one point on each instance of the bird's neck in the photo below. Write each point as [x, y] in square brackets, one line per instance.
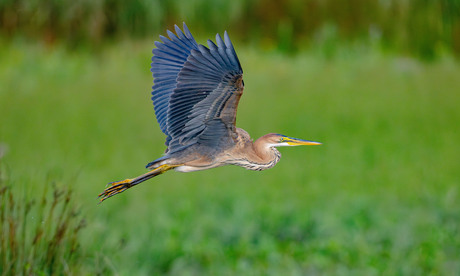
[269, 156]
[256, 155]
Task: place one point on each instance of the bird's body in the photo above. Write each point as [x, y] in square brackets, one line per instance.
[244, 153]
[195, 95]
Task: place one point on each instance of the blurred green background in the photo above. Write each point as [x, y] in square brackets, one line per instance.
[420, 28]
[376, 81]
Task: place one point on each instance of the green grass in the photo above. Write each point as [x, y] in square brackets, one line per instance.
[40, 235]
[380, 197]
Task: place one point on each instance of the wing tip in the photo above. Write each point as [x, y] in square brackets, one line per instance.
[177, 29]
[227, 40]
[187, 32]
[219, 41]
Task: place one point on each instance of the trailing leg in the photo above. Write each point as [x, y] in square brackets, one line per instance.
[120, 186]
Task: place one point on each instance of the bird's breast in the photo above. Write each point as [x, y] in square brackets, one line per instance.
[256, 165]
[186, 168]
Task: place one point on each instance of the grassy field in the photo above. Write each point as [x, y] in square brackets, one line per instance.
[380, 197]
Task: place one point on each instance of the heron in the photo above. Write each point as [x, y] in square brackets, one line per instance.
[195, 95]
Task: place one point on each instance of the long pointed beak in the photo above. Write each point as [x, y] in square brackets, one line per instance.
[300, 142]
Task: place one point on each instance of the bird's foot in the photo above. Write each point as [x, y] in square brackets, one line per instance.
[115, 188]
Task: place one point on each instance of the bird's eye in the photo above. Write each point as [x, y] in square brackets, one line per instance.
[282, 139]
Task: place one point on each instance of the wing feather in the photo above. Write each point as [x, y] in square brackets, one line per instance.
[168, 59]
[208, 91]
[196, 89]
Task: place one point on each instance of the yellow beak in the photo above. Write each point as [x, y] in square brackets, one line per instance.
[300, 142]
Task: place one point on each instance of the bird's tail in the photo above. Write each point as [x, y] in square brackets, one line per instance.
[121, 186]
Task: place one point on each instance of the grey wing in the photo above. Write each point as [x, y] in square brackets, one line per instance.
[202, 108]
[167, 61]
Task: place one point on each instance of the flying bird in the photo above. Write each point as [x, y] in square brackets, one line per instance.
[195, 96]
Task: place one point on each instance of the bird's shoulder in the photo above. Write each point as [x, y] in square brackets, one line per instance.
[242, 137]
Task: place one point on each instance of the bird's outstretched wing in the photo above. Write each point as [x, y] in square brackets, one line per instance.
[202, 105]
[167, 61]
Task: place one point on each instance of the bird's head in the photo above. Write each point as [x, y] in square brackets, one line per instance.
[279, 140]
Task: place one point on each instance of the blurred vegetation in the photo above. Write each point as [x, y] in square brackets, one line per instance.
[380, 197]
[39, 236]
[421, 28]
